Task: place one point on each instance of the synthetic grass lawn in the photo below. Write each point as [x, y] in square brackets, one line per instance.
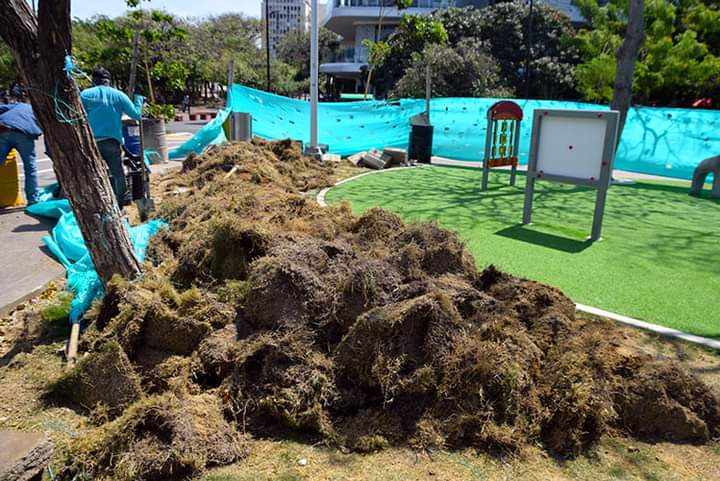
[658, 260]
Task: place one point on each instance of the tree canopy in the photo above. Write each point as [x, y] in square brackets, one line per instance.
[679, 62]
[465, 70]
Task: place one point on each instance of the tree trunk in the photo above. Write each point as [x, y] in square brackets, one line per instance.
[626, 57]
[39, 50]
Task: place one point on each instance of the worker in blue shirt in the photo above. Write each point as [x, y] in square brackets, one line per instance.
[105, 107]
[18, 130]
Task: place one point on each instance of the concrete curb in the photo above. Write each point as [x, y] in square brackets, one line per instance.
[628, 321]
[320, 197]
[647, 326]
[9, 307]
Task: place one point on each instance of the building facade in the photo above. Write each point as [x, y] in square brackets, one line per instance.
[285, 16]
[357, 20]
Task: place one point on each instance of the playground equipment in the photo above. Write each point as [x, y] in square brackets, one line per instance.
[9, 182]
[502, 139]
[573, 147]
[704, 168]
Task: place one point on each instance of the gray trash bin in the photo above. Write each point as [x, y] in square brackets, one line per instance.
[240, 126]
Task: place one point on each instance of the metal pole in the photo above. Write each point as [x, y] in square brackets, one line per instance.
[529, 52]
[313, 74]
[267, 41]
[428, 92]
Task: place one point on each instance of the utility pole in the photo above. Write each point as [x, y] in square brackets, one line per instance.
[529, 51]
[267, 41]
[313, 75]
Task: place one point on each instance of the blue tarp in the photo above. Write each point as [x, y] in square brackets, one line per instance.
[660, 141]
[67, 244]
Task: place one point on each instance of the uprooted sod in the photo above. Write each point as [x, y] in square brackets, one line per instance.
[262, 314]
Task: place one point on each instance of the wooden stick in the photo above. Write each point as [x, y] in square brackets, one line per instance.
[72, 345]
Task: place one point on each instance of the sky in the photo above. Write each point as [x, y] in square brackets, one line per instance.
[183, 8]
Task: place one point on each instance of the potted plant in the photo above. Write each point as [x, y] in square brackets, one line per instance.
[154, 133]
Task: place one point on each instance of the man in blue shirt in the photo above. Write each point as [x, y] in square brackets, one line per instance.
[105, 107]
[18, 130]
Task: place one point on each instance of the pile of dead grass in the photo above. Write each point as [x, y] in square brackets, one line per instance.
[264, 315]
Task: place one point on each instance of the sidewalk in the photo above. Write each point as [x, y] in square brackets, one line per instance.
[27, 266]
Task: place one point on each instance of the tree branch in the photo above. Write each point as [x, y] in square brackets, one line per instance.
[18, 26]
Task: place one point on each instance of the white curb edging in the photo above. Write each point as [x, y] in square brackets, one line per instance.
[629, 321]
[320, 198]
[663, 331]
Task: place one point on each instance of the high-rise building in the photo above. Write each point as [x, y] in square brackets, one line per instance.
[285, 16]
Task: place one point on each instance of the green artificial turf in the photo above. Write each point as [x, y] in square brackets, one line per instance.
[659, 259]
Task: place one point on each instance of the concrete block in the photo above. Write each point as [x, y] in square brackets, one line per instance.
[374, 160]
[356, 158]
[331, 158]
[23, 456]
[396, 157]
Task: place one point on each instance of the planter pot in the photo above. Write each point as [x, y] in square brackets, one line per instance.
[178, 118]
[193, 116]
[212, 115]
[203, 116]
[155, 140]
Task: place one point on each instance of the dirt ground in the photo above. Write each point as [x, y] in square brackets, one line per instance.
[267, 329]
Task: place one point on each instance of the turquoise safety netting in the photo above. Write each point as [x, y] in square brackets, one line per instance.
[67, 244]
[660, 141]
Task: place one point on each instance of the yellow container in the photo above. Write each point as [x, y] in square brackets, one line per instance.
[10, 182]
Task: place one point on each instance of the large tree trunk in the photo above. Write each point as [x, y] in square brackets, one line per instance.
[626, 57]
[39, 46]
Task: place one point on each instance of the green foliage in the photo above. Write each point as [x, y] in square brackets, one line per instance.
[294, 50]
[465, 70]
[59, 309]
[503, 28]
[378, 52]
[500, 30]
[394, 56]
[164, 112]
[8, 70]
[679, 62]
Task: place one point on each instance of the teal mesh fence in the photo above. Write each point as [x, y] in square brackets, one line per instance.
[661, 141]
[68, 246]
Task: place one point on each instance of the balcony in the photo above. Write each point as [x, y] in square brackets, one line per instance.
[376, 3]
[343, 15]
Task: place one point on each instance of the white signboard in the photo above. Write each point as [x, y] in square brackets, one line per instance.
[574, 147]
[571, 147]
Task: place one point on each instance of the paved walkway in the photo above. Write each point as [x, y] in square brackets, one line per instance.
[26, 266]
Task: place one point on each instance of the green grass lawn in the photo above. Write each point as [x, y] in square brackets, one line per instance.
[659, 259]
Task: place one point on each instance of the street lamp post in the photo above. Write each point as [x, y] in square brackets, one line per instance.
[529, 51]
[314, 59]
[267, 41]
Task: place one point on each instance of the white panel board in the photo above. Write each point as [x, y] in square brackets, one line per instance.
[571, 146]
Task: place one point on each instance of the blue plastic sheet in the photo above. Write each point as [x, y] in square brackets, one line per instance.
[67, 244]
[211, 133]
[661, 141]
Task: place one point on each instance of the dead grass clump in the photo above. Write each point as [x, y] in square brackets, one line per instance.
[104, 378]
[663, 402]
[161, 437]
[280, 381]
